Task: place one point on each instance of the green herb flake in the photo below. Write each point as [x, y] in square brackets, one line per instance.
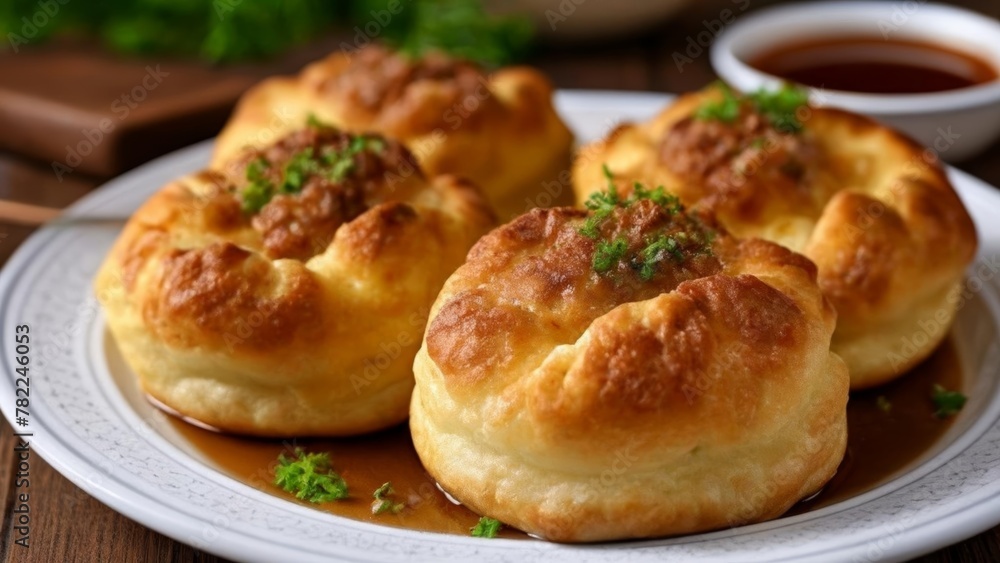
[357, 145]
[310, 477]
[375, 144]
[256, 168]
[314, 122]
[780, 106]
[342, 163]
[883, 404]
[294, 178]
[601, 206]
[255, 197]
[725, 110]
[659, 196]
[341, 168]
[259, 191]
[331, 163]
[655, 251]
[608, 254]
[693, 237]
[298, 169]
[948, 403]
[486, 528]
[603, 202]
[382, 503]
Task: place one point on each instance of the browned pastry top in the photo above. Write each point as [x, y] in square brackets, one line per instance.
[253, 296]
[572, 338]
[871, 208]
[498, 128]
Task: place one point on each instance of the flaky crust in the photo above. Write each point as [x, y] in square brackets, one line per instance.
[580, 407]
[872, 209]
[224, 320]
[499, 130]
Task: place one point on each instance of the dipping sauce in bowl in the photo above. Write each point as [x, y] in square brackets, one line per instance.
[932, 72]
[875, 65]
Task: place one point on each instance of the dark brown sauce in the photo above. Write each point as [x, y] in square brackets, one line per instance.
[365, 463]
[880, 444]
[874, 65]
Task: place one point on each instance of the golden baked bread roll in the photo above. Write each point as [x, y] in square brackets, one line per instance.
[873, 210]
[498, 130]
[288, 296]
[627, 374]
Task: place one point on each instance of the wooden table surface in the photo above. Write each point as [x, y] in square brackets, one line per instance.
[69, 525]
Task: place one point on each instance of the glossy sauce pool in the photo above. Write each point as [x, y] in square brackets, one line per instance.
[880, 444]
[876, 66]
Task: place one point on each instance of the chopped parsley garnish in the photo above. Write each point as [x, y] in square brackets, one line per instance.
[659, 196]
[486, 528]
[314, 122]
[357, 145]
[779, 106]
[661, 247]
[309, 477]
[608, 254]
[883, 404]
[255, 170]
[331, 163]
[260, 190]
[297, 170]
[382, 504]
[948, 403]
[726, 110]
[695, 238]
[601, 205]
[341, 167]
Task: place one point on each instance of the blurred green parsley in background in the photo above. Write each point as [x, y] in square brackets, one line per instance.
[225, 31]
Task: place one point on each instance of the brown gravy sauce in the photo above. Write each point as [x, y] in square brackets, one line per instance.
[880, 444]
[874, 65]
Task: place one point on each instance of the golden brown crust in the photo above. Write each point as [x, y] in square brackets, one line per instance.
[203, 292]
[499, 130]
[873, 210]
[403, 97]
[585, 406]
[312, 332]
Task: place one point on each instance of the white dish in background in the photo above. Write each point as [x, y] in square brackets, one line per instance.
[969, 117]
[91, 423]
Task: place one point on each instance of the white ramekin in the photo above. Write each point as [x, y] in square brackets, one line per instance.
[957, 123]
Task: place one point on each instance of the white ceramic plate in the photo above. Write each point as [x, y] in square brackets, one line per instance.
[92, 425]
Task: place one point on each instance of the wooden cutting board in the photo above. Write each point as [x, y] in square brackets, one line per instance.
[81, 110]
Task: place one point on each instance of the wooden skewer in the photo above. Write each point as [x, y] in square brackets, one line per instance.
[26, 213]
[37, 215]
